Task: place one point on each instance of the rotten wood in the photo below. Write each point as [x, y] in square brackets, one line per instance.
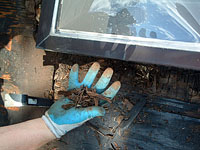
[83, 97]
[92, 94]
[67, 106]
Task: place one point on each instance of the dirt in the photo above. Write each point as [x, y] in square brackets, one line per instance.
[83, 97]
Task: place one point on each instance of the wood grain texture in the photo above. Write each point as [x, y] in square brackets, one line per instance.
[15, 19]
[21, 64]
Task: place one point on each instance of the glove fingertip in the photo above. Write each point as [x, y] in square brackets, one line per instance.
[96, 111]
[101, 111]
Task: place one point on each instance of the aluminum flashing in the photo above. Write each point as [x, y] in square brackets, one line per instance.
[117, 30]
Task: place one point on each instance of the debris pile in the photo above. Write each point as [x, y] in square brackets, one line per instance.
[83, 97]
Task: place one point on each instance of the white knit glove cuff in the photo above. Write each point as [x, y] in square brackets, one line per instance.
[59, 130]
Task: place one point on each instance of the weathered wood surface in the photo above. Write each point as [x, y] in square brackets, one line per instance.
[154, 80]
[23, 70]
[162, 124]
[21, 64]
[15, 19]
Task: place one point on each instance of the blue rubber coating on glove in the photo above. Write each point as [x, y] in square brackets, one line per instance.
[91, 74]
[74, 115]
[112, 90]
[73, 78]
[103, 81]
[87, 81]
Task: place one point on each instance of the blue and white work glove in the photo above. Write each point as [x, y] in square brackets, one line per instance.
[61, 121]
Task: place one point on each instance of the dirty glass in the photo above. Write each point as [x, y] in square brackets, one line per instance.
[173, 20]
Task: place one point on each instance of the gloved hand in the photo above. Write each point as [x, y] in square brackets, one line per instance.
[61, 121]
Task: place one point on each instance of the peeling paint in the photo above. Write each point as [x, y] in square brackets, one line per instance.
[9, 45]
[13, 108]
[5, 77]
[11, 88]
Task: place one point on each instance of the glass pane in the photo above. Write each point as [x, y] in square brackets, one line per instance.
[174, 20]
